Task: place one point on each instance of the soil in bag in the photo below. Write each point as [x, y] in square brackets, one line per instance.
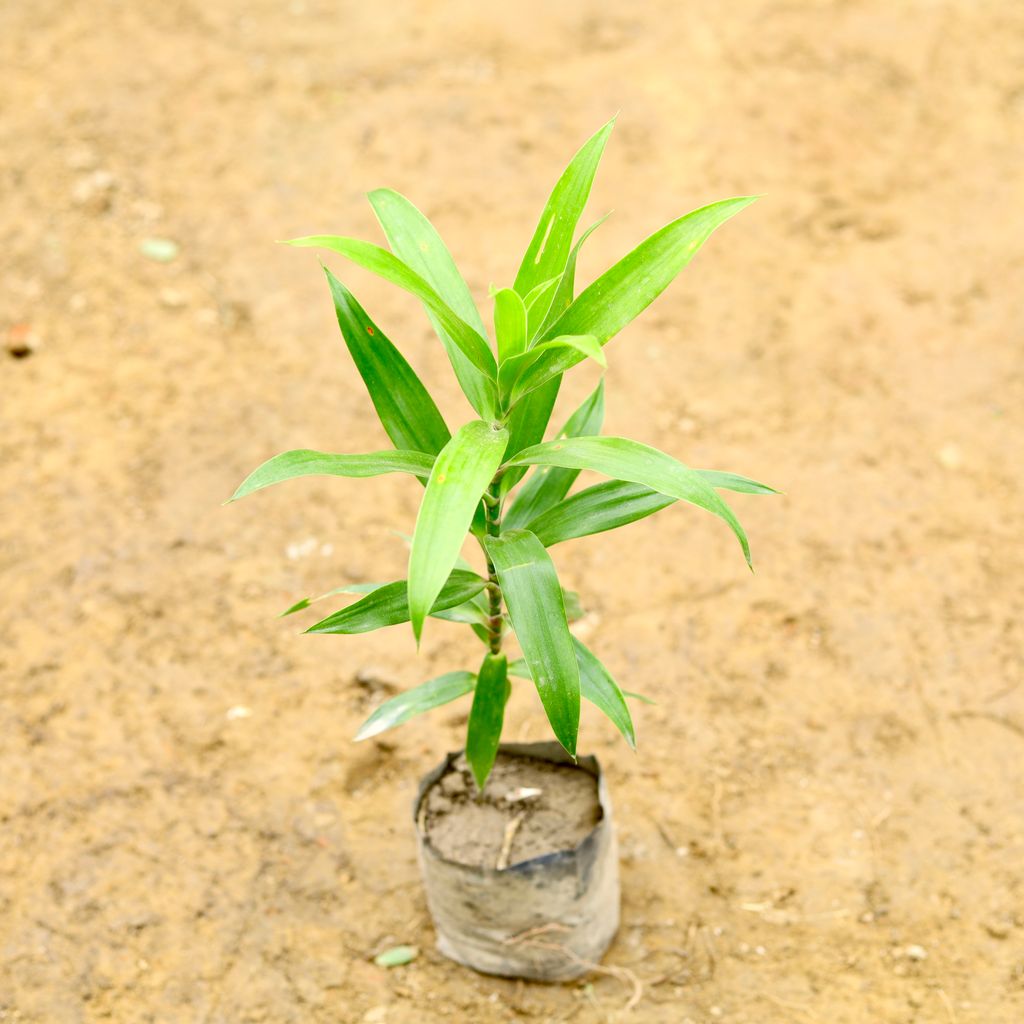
[528, 808]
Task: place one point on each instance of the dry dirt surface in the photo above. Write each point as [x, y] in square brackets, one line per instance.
[825, 821]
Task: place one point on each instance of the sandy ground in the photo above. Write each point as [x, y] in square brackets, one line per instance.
[824, 822]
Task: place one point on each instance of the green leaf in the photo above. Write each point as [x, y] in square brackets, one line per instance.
[549, 248]
[638, 463]
[351, 588]
[396, 957]
[563, 296]
[462, 471]
[530, 416]
[530, 371]
[535, 605]
[538, 303]
[391, 268]
[407, 412]
[526, 425]
[509, 323]
[520, 669]
[486, 717]
[414, 240]
[389, 605]
[304, 462]
[548, 485]
[469, 614]
[425, 697]
[625, 290]
[640, 697]
[608, 505]
[573, 606]
[735, 482]
[604, 506]
[597, 686]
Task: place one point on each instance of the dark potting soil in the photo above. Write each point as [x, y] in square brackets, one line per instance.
[507, 823]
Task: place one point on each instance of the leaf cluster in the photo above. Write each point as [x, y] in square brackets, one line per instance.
[496, 478]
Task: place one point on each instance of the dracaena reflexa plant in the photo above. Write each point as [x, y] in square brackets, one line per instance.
[475, 478]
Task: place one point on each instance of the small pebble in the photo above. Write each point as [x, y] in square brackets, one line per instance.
[237, 712]
[397, 956]
[22, 341]
[160, 250]
[301, 549]
[171, 298]
[916, 953]
[997, 928]
[375, 678]
[94, 191]
[950, 456]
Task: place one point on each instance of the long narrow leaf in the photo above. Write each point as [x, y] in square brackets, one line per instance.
[548, 249]
[521, 670]
[734, 482]
[623, 459]
[535, 606]
[389, 605]
[460, 475]
[625, 290]
[534, 371]
[415, 241]
[406, 410]
[604, 506]
[391, 268]
[538, 303]
[597, 686]
[608, 505]
[530, 416]
[350, 588]
[483, 732]
[305, 462]
[548, 485]
[562, 298]
[425, 697]
[509, 323]
[526, 425]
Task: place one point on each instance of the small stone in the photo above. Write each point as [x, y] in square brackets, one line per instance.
[237, 712]
[374, 678]
[998, 928]
[521, 794]
[916, 953]
[160, 250]
[950, 456]
[301, 549]
[21, 341]
[94, 191]
[397, 956]
[171, 298]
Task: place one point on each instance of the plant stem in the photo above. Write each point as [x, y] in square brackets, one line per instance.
[492, 511]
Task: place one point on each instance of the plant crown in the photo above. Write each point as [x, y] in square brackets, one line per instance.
[475, 478]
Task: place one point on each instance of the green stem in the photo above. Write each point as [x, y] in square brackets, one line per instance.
[492, 509]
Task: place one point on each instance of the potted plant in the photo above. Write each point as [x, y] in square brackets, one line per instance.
[516, 842]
